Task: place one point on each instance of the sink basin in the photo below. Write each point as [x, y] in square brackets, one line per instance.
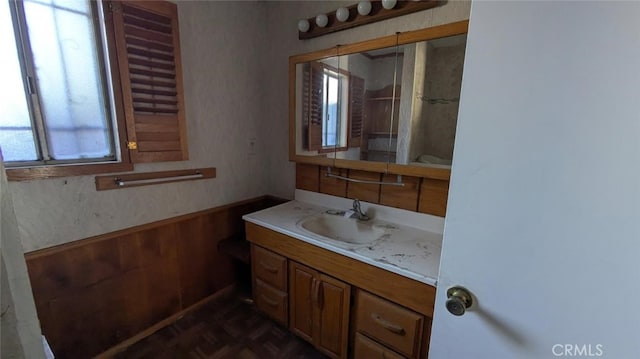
[343, 229]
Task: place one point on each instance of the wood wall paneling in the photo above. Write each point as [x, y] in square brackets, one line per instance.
[433, 197]
[364, 191]
[307, 177]
[95, 293]
[425, 195]
[333, 186]
[203, 270]
[405, 197]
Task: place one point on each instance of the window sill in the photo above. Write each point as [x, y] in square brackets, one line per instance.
[42, 172]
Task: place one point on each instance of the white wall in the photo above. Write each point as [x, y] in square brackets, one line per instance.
[222, 43]
[543, 221]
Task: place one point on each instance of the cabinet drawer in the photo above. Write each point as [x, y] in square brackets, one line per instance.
[366, 348]
[271, 268]
[390, 324]
[271, 301]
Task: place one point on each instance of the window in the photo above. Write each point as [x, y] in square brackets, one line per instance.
[61, 112]
[327, 115]
[330, 133]
[92, 84]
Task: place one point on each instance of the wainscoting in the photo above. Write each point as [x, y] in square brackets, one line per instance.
[425, 195]
[97, 292]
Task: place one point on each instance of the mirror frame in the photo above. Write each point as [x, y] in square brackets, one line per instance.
[451, 29]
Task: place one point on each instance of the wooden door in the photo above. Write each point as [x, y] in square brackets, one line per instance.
[332, 316]
[301, 305]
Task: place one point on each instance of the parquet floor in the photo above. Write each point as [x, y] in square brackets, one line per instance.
[224, 328]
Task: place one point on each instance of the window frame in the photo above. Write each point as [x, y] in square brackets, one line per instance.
[112, 96]
[124, 121]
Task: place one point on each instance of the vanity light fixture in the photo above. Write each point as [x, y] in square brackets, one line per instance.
[322, 20]
[361, 13]
[342, 14]
[364, 7]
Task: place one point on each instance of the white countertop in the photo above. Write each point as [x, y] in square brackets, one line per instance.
[412, 249]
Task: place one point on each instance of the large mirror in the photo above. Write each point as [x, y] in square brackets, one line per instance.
[389, 104]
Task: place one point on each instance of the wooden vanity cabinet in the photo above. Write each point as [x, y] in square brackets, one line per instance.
[389, 316]
[319, 309]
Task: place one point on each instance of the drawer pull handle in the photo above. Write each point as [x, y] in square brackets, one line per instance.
[272, 303]
[387, 325]
[268, 268]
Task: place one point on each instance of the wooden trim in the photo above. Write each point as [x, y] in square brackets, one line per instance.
[292, 109]
[320, 160]
[377, 13]
[131, 230]
[407, 292]
[333, 149]
[42, 172]
[435, 32]
[429, 33]
[111, 352]
[111, 182]
[316, 55]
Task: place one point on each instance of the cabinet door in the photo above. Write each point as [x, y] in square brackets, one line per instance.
[302, 283]
[333, 316]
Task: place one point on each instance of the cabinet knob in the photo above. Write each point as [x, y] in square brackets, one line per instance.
[459, 300]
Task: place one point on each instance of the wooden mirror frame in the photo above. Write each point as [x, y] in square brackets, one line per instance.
[451, 29]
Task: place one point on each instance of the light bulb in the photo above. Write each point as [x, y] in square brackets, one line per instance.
[322, 20]
[303, 25]
[364, 7]
[388, 4]
[342, 14]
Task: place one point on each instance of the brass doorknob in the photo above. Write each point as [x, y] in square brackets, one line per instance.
[459, 300]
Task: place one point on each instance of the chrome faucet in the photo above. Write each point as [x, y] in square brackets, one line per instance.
[358, 214]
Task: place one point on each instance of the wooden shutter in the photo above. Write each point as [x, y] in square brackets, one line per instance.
[316, 98]
[148, 51]
[356, 110]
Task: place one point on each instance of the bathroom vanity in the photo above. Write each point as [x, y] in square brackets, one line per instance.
[360, 300]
